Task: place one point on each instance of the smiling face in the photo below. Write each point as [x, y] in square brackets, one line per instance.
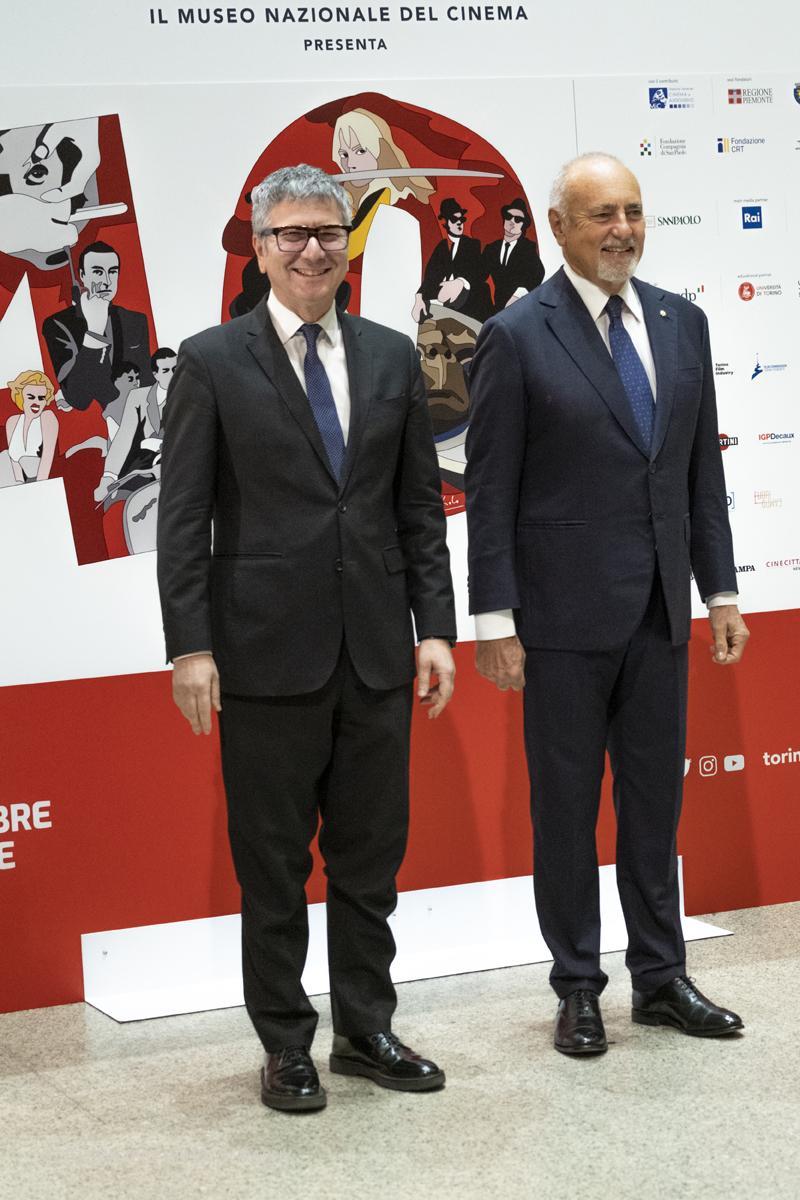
[34, 399]
[602, 232]
[352, 155]
[305, 281]
[100, 275]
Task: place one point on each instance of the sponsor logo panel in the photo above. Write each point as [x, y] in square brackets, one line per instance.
[776, 439]
[766, 368]
[743, 91]
[725, 441]
[669, 93]
[765, 499]
[734, 145]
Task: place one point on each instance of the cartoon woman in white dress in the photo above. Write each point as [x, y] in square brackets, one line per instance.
[32, 434]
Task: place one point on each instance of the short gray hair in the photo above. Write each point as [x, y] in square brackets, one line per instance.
[559, 192]
[294, 184]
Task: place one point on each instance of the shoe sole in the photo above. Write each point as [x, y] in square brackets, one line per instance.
[294, 1103]
[581, 1050]
[348, 1066]
[645, 1018]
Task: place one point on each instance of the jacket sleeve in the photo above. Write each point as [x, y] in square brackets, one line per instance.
[495, 461]
[421, 521]
[711, 544]
[186, 504]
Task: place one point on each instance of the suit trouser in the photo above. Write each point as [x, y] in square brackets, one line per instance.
[631, 701]
[340, 753]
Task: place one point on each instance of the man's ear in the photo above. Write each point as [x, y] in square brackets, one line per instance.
[557, 225]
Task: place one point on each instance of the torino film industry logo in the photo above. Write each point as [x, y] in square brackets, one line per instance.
[750, 95]
[725, 441]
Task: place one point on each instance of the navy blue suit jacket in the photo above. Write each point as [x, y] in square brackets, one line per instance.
[569, 513]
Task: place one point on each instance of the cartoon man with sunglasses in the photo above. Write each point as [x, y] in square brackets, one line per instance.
[513, 262]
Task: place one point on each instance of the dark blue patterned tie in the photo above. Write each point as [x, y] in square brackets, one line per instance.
[320, 397]
[631, 370]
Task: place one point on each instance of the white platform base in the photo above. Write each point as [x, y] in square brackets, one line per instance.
[190, 966]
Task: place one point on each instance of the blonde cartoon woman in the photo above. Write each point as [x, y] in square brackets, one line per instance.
[362, 141]
[32, 434]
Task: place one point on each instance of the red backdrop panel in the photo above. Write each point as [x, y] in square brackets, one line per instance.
[138, 831]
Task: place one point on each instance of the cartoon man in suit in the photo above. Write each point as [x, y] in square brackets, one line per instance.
[304, 434]
[454, 275]
[594, 488]
[137, 442]
[513, 263]
[89, 341]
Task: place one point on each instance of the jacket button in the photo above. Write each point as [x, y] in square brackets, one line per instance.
[652, 468]
[342, 508]
[338, 564]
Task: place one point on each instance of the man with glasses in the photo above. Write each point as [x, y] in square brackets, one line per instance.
[303, 433]
[513, 263]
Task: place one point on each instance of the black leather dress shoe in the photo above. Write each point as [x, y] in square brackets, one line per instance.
[289, 1080]
[678, 1003]
[579, 1026]
[386, 1061]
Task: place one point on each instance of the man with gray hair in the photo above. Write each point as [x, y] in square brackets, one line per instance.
[303, 435]
[594, 489]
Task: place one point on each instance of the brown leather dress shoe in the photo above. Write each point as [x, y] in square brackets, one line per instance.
[289, 1080]
[679, 1004]
[386, 1061]
[579, 1026]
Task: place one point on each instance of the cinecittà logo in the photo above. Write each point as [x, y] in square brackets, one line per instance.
[794, 563]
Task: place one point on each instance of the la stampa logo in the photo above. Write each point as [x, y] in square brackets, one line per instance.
[658, 97]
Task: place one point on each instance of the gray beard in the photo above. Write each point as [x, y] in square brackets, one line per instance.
[616, 268]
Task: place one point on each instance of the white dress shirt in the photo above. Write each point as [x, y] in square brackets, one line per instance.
[330, 348]
[489, 626]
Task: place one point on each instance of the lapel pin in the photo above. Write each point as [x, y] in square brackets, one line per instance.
[663, 314]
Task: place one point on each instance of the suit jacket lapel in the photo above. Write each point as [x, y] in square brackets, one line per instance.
[661, 320]
[572, 324]
[265, 346]
[359, 371]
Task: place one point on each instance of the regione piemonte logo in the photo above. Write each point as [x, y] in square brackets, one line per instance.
[734, 95]
[751, 216]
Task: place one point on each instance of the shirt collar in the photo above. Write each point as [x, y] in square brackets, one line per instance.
[596, 299]
[287, 323]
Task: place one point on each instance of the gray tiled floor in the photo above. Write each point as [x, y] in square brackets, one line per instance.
[170, 1108]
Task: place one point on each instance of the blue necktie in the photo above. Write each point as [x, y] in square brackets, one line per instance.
[320, 397]
[631, 371]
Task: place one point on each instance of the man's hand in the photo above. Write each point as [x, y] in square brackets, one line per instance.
[450, 290]
[502, 660]
[419, 312]
[195, 690]
[730, 633]
[435, 658]
[95, 311]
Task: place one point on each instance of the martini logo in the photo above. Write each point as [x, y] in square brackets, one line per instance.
[751, 216]
[746, 291]
[646, 148]
[725, 441]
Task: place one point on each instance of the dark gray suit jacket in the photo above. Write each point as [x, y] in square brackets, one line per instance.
[568, 512]
[298, 562]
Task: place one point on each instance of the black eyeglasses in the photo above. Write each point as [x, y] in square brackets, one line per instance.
[516, 220]
[295, 237]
